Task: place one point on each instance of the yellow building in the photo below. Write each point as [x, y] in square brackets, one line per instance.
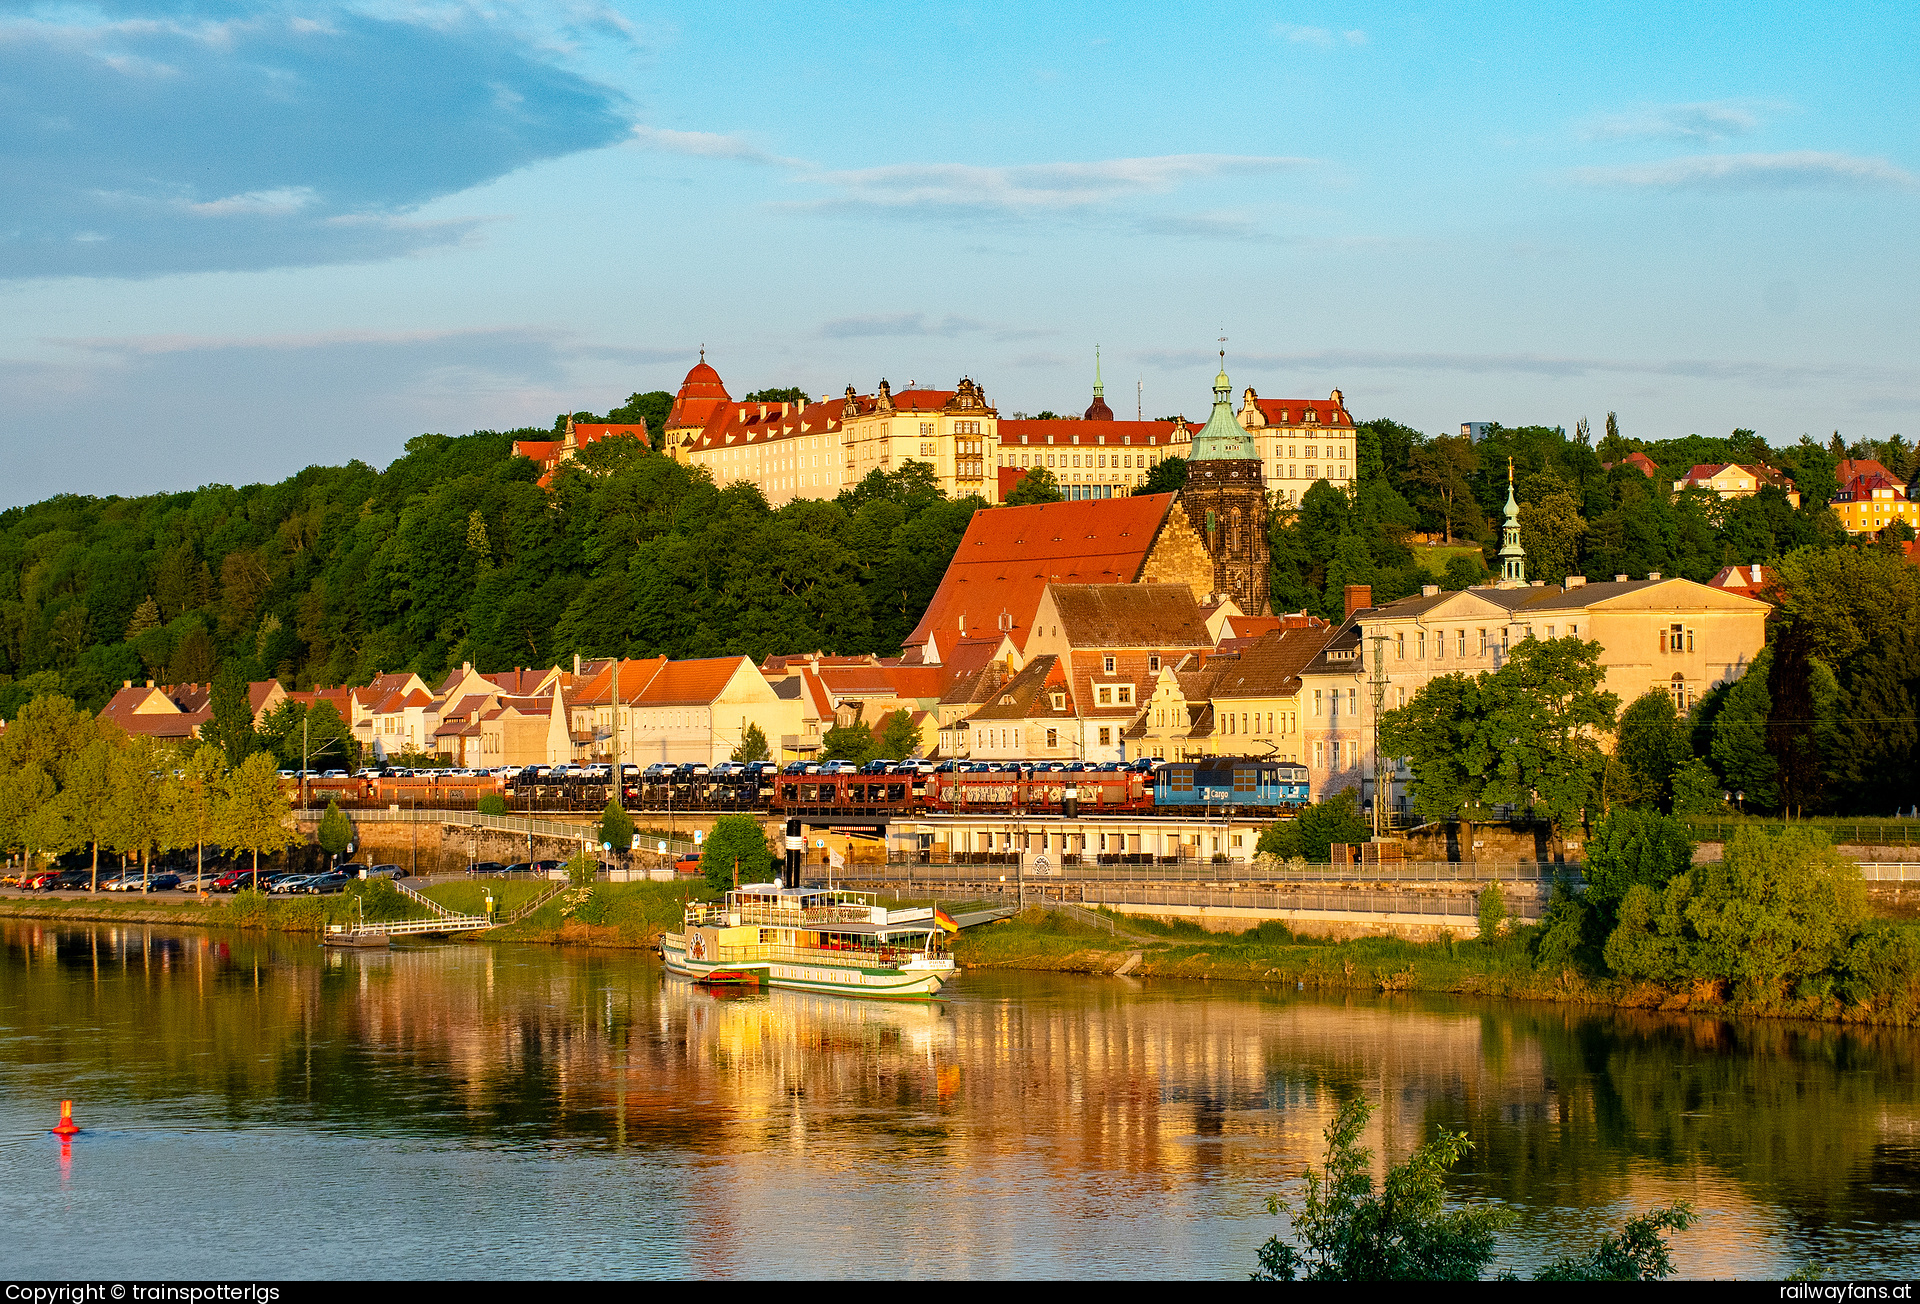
[1301, 440]
[1870, 502]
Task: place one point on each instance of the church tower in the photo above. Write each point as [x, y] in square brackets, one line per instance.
[1225, 501]
[1099, 411]
[1513, 558]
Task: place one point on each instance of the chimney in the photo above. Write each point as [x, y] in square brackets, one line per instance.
[576, 663]
[1358, 596]
[1653, 575]
[1619, 579]
[126, 683]
[466, 667]
[1429, 590]
[149, 683]
[1756, 572]
[1576, 581]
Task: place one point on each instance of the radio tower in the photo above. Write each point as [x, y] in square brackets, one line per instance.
[1382, 784]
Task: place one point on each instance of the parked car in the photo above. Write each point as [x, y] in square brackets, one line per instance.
[351, 870]
[483, 868]
[729, 770]
[325, 884]
[289, 884]
[550, 868]
[523, 867]
[121, 882]
[385, 871]
[880, 766]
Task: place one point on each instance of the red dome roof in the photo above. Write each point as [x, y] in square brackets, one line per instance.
[701, 393]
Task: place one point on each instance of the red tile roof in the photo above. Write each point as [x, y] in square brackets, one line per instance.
[1750, 580]
[700, 394]
[1009, 555]
[1064, 429]
[1849, 467]
[884, 681]
[1294, 411]
[688, 681]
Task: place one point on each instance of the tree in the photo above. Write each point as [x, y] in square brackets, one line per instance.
[325, 742]
[899, 736]
[336, 830]
[193, 803]
[1443, 469]
[616, 827]
[1311, 834]
[792, 394]
[849, 742]
[1542, 715]
[1167, 476]
[1633, 848]
[142, 773]
[192, 660]
[753, 745]
[1739, 747]
[1036, 486]
[1780, 909]
[1436, 731]
[1492, 911]
[254, 814]
[1550, 530]
[1800, 697]
[491, 803]
[1464, 570]
[1652, 744]
[1695, 789]
[88, 794]
[37, 753]
[1404, 1233]
[231, 728]
[736, 840]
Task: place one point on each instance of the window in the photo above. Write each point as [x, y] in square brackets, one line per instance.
[1573, 631]
[1124, 694]
[1106, 736]
[1679, 689]
[1104, 696]
[1053, 738]
[1153, 664]
[1319, 754]
[1399, 647]
[1549, 631]
[1316, 701]
[1059, 701]
[1483, 642]
[1107, 664]
[1353, 701]
[1675, 638]
[1353, 753]
[1420, 646]
[1461, 636]
[1504, 631]
[926, 427]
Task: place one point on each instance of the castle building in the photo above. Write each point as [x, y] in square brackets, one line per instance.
[1300, 441]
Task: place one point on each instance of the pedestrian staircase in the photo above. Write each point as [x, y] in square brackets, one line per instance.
[451, 921]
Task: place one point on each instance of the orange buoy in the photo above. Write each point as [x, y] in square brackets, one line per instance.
[66, 1126]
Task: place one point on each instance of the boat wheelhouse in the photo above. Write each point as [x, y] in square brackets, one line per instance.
[812, 939]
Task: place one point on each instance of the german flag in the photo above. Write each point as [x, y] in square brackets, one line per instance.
[945, 920]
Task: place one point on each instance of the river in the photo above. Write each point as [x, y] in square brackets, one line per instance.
[255, 1106]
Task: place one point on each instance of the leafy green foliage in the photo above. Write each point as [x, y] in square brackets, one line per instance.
[1311, 834]
[1524, 734]
[491, 803]
[848, 742]
[1167, 476]
[1633, 848]
[1779, 910]
[1652, 744]
[1405, 1232]
[899, 736]
[1492, 912]
[1348, 1232]
[616, 827]
[336, 831]
[1036, 486]
[736, 839]
[1637, 1253]
[583, 867]
[327, 743]
[753, 746]
[231, 728]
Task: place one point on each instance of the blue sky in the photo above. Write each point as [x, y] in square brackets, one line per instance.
[237, 239]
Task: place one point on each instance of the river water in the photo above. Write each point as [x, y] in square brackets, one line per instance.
[256, 1106]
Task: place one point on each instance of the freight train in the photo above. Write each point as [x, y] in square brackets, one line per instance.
[1225, 784]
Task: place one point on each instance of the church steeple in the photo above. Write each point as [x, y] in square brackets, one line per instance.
[1223, 438]
[1513, 558]
[1098, 410]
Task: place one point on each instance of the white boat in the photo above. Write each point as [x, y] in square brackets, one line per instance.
[812, 939]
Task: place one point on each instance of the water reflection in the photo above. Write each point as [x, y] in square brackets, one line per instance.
[495, 1111]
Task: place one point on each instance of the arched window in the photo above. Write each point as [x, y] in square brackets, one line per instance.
[1679, 689]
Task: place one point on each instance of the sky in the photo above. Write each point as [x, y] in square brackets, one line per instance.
[237, 239]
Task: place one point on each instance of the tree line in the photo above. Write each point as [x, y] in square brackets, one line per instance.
[70, 782]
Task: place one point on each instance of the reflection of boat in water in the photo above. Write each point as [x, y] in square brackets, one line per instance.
[339, 935]
[811, 939]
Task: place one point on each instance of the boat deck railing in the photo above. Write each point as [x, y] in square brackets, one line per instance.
[812, 916]
[757, 952]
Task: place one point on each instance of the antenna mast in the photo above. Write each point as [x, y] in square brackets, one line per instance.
[1382, 784]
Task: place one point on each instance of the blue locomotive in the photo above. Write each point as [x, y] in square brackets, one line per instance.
[1225, 781]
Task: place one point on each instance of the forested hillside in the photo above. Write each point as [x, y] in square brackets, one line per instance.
[453, 553]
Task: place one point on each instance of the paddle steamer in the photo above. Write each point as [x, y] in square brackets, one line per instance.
[812, 939]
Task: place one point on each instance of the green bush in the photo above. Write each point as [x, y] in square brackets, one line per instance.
[493, 803]
[736, 838]
[1493, 912]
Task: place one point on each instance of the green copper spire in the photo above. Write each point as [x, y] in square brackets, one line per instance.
[1099, 390]
[1222, 439]
[1513, 558]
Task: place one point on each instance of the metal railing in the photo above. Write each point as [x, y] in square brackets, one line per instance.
[1861, 833]
[1406, 871]
[1354, 902]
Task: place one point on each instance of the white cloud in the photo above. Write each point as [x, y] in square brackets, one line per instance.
[1798, 170]
[1323, 37]
[1036, 187]
[919, 324]
[709, 144]
[269, 203]
[1708, 121]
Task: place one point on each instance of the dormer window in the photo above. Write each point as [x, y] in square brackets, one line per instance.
[1059, 701]
[1107, 664]
[1153, 664]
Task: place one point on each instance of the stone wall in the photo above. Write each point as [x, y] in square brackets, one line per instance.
[1506, 844]
[1177, 555]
